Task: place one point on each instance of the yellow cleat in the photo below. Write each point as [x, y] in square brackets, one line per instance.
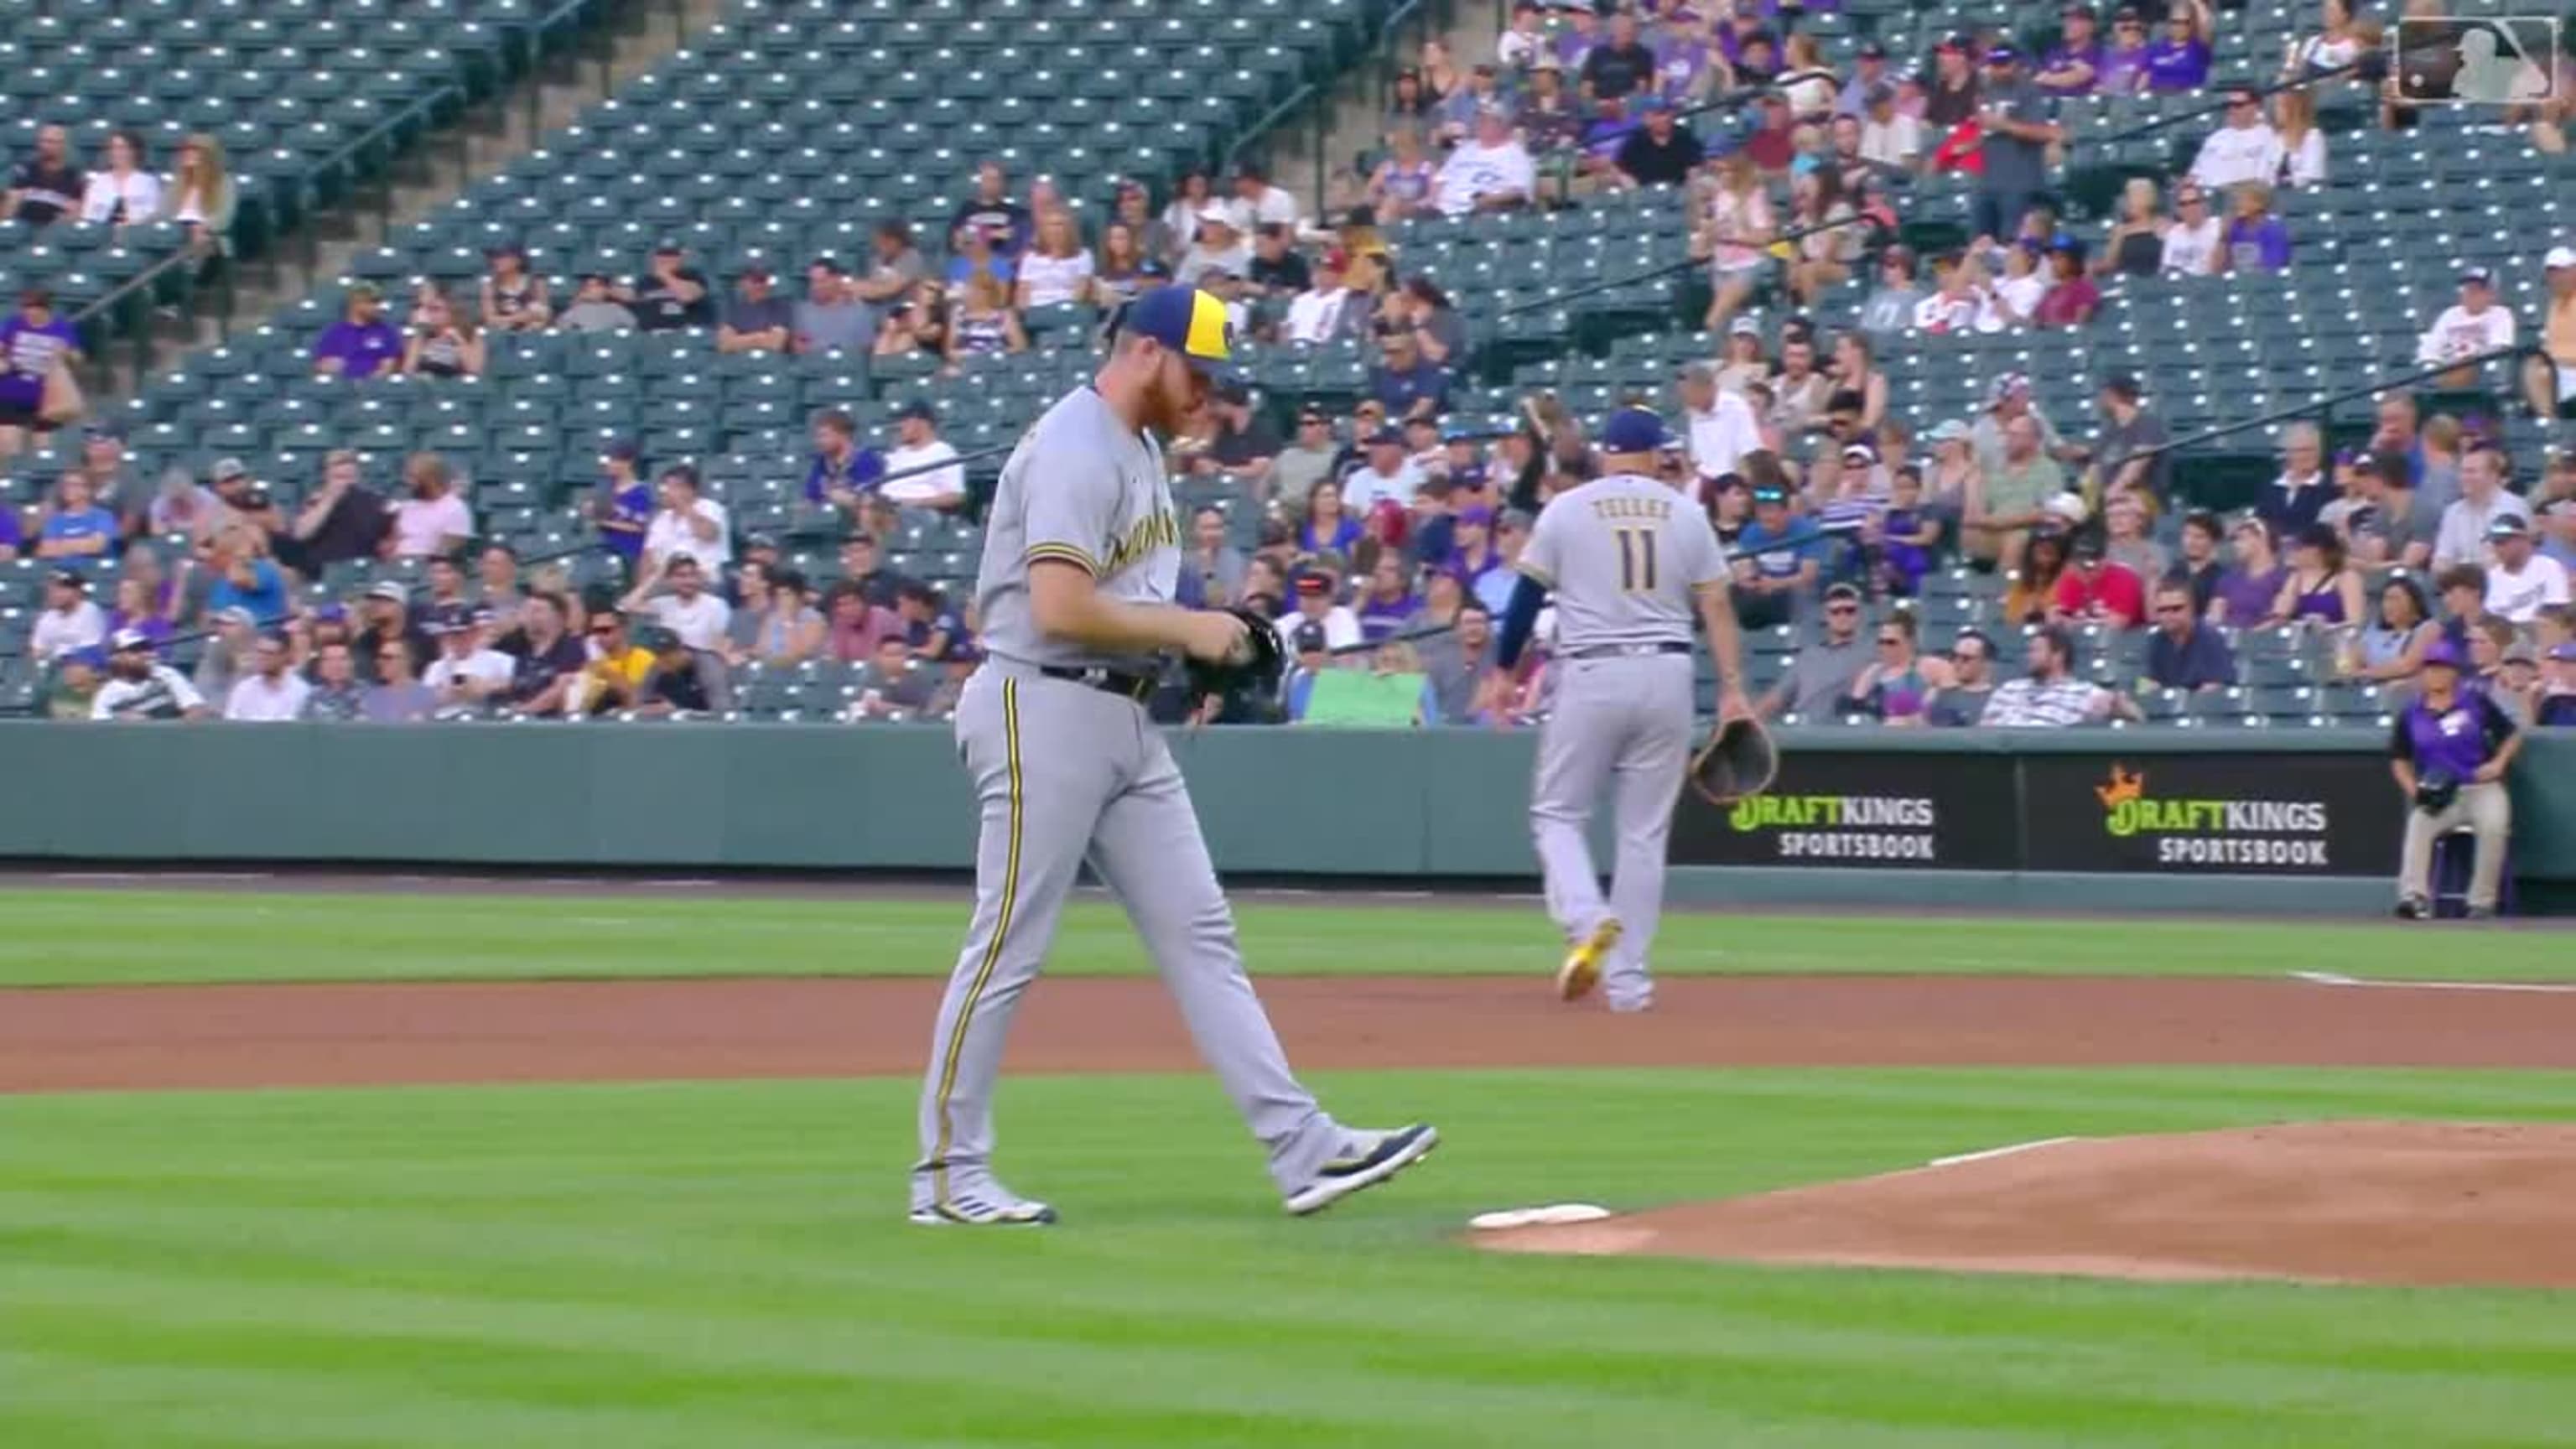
[1582, 969]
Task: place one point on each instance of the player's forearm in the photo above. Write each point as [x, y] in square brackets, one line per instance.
[1109, 625]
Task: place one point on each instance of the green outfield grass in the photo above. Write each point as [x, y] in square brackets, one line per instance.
[104, 936]
[724, 1267]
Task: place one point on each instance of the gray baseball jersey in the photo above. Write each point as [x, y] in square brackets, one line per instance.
[1066, 775]
[1624, 556]
[1084, 488]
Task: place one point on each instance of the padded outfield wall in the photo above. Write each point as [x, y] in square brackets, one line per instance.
[2287, 821]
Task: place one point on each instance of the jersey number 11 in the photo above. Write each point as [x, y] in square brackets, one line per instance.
[1637, 560]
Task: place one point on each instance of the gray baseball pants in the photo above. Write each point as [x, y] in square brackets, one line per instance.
[1067, 773]
[1628, 719]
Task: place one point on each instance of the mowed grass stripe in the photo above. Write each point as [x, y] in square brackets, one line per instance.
[724, 1265]
[61, 938]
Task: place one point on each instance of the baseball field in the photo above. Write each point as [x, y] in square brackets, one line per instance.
[423, 1168]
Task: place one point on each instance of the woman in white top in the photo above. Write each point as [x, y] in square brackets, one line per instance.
[1057, 269]
[1181, 218]
[2332, 48]
[122, 192]
[2303, 146]
[2012, 301]
[1810, 85]
[2191, 243]
[1740, 225]
[200, 194]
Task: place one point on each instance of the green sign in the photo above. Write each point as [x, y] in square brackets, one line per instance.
[1356, 698]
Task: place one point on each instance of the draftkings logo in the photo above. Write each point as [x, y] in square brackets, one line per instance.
[1840, 827]
[2506, 60]
[2213, 830]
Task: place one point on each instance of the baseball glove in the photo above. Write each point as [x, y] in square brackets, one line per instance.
[2435, 790]
[1737, 763]
[1255, 669]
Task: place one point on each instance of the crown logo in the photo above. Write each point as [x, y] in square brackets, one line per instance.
[2125, 786]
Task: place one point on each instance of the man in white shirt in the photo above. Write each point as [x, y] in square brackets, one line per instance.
[1490, 172]
[140, 686]
[1722, 428]
[1388, 473]
[271, 693]
[943, 487]
[1257, 203]
[1315, 589]
[2521, 582]
[2462, 537]
[1322, 312]
[688, 610]
[69, 621]
[432, 520]
[468, 670]
[687, 525]
[1888, 136]
[2477, 325]
[2245, 149]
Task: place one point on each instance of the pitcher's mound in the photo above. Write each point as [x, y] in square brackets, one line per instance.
[2355, 1202]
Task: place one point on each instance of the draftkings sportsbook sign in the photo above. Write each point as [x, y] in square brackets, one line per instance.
[2269, 814]
[2155, 814]
[1871, 811]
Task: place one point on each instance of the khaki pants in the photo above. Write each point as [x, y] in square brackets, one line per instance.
[2485, 809]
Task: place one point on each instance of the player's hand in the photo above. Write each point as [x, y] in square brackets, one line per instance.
[1213, 635]
[1732, 704]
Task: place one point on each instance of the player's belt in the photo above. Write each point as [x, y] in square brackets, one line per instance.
[1108, 681]
[1632, 651]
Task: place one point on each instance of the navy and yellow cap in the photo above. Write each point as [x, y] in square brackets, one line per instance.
[1191, 323]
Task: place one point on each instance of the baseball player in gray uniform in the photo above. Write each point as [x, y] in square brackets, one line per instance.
[1629, 560]
[1082, 551]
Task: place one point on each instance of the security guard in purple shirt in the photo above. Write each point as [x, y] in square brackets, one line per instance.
[2449, 751]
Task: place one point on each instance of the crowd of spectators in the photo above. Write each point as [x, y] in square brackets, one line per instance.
[1385, 529]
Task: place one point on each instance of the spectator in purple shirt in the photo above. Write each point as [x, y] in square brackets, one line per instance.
[2247, 588]
[2074, 63]
[362, 344]
[2179, 58]
[1574, 42]
[2451, 735]
[1389, 599]
[2256, 240]
[2123, 71]
[32, 341]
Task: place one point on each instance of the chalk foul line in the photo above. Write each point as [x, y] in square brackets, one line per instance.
[2336, 978]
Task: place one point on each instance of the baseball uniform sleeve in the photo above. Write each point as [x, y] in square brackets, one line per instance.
[1703, 555]
[1543, 555]
[1070, 492]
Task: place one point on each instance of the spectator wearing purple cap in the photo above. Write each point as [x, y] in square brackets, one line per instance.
[1474, 553]
[2557, 704]
[514, 300]
[362, 344]
[2448, 751]
[2178, 59]
[2020, 124]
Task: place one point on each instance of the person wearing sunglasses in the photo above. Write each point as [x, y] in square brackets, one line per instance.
[1821, 677]
[1894, 687]
[2184, 652]
[1966, 684]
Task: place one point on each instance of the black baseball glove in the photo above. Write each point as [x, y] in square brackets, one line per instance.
[1254, 669]
[2435, 790]
[1738, 763]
